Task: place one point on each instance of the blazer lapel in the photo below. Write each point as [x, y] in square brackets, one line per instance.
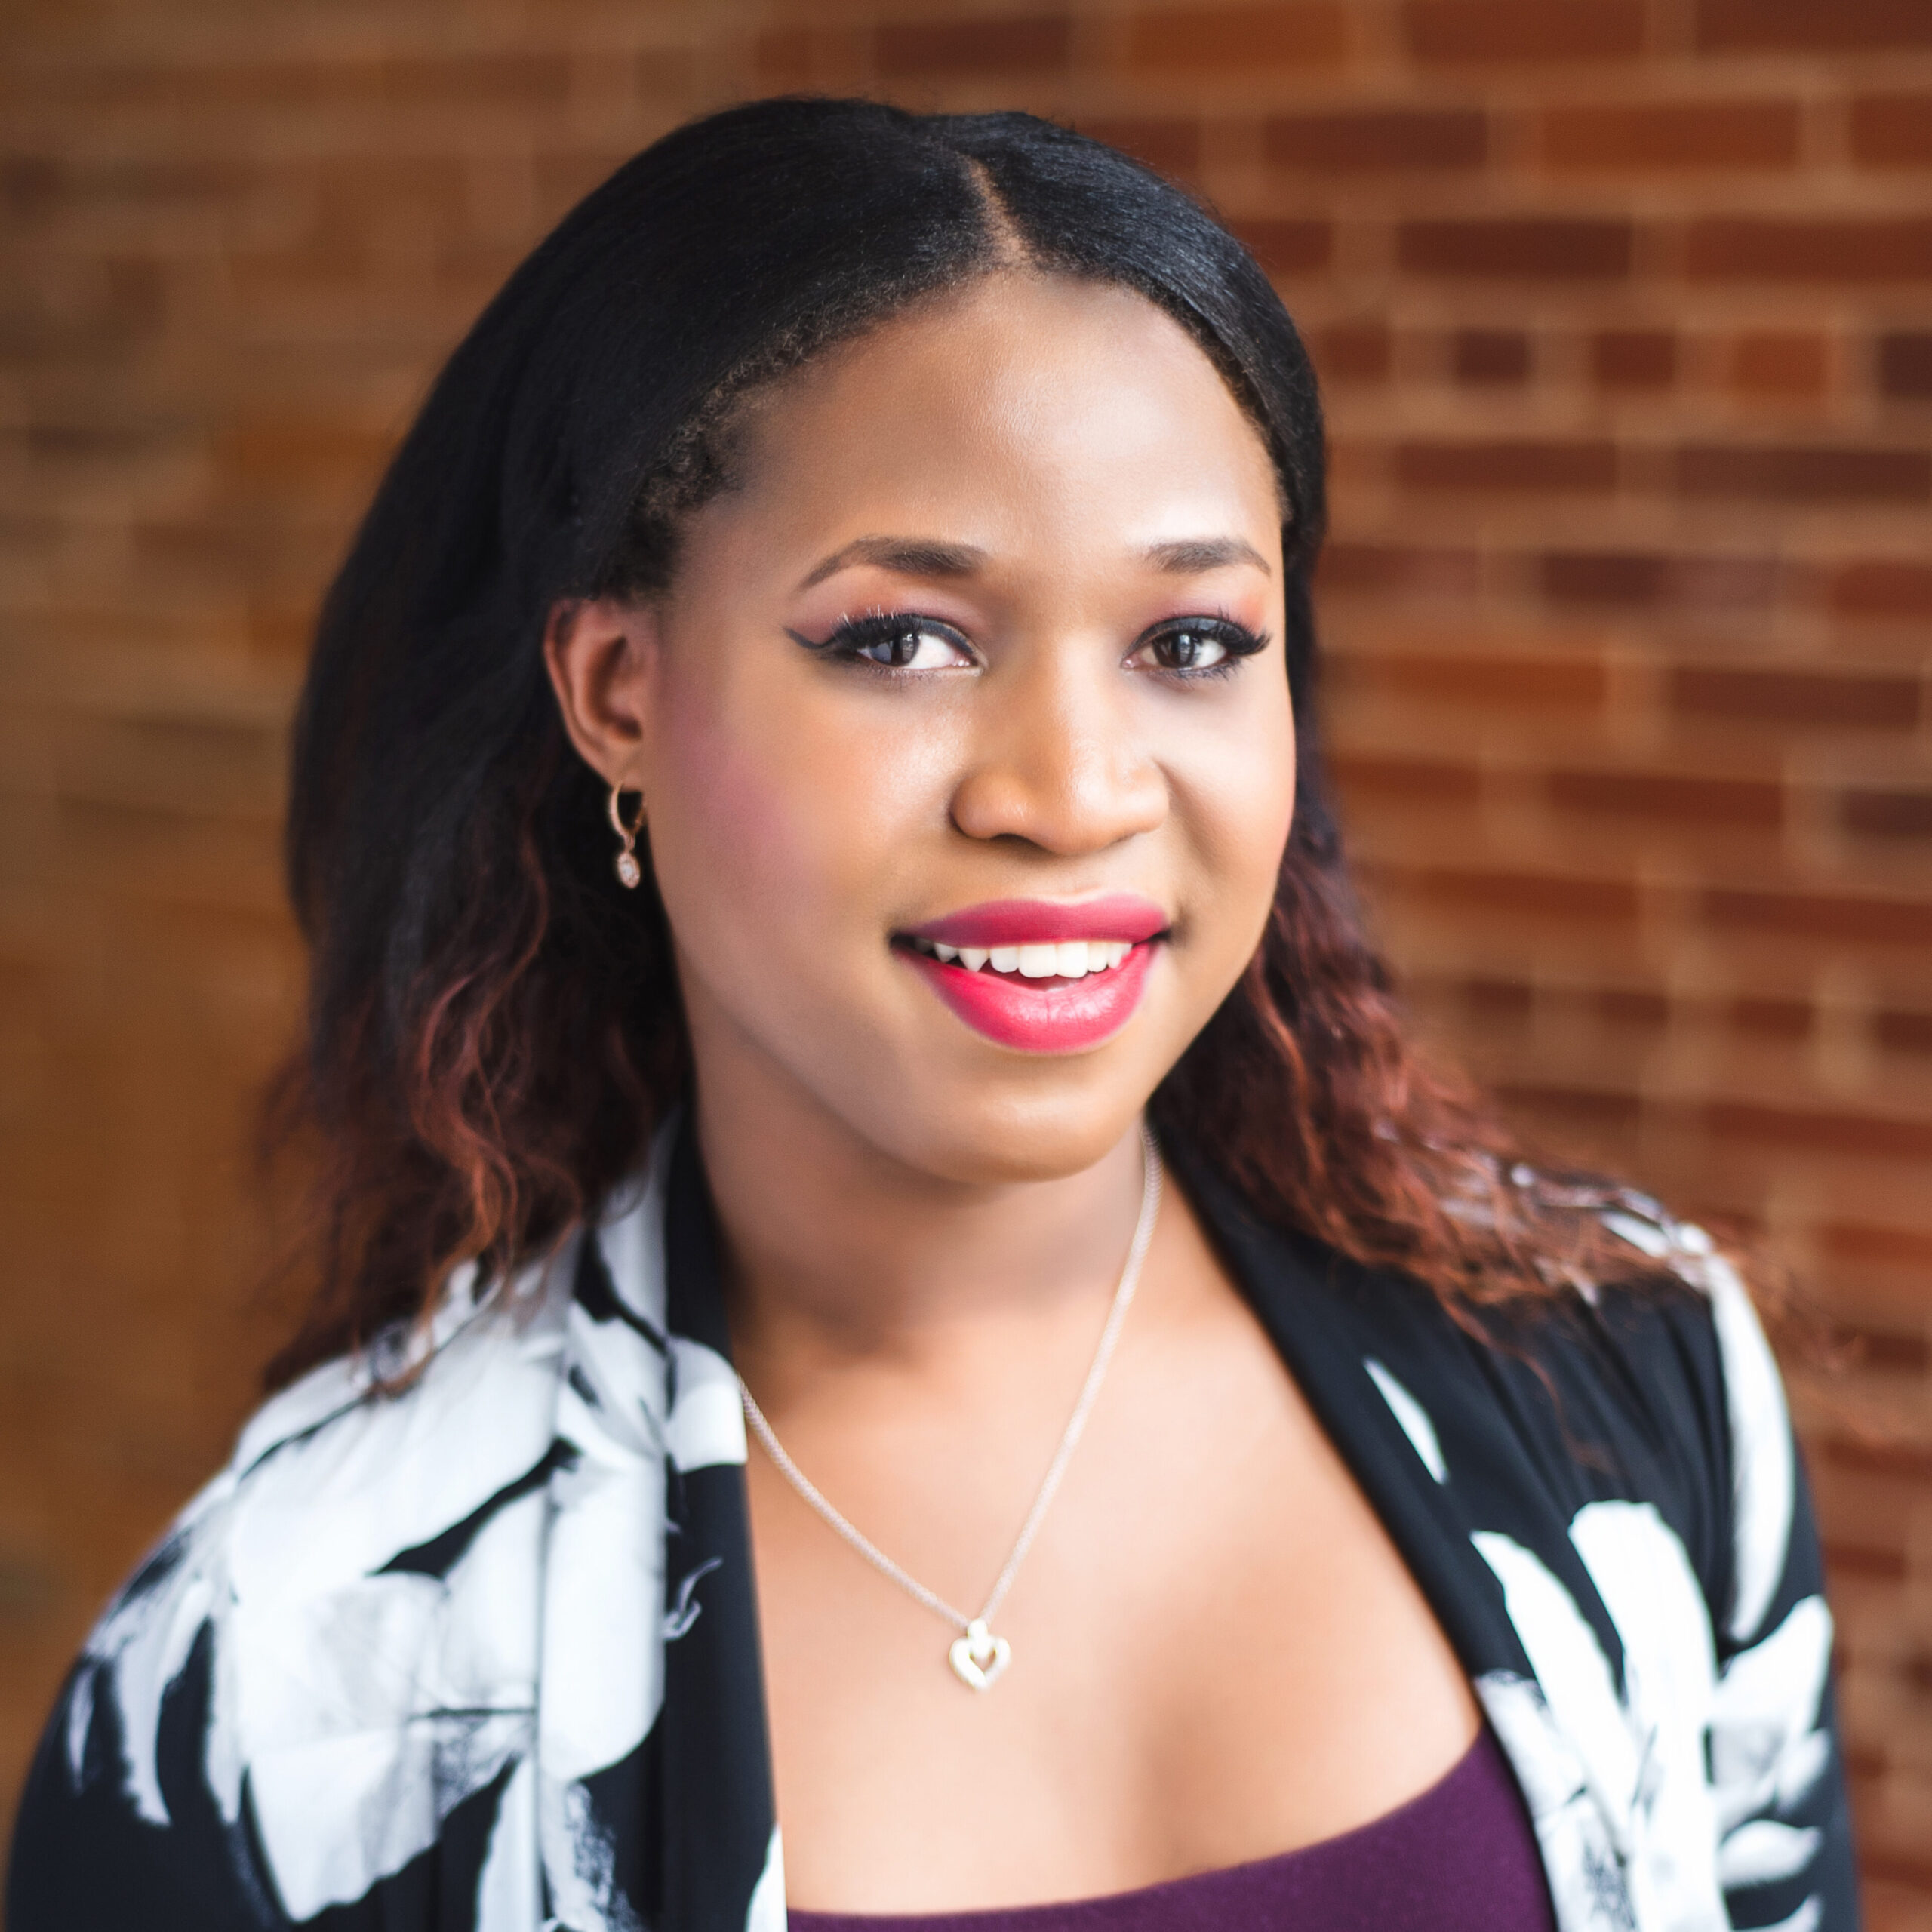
[1301, 1291]
[715, 1820]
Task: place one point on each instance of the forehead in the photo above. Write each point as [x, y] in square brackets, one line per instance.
[1042, 403]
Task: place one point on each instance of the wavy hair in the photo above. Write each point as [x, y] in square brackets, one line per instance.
[493, 1029]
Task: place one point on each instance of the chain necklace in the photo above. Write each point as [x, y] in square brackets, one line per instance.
[978, 1657]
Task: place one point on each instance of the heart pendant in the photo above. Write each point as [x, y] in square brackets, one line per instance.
[980, 1658]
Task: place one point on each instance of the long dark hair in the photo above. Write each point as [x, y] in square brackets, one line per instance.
[494, 1027]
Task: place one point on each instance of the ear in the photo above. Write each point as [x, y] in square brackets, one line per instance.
[600, 655]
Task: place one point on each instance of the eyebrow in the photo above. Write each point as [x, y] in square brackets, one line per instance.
[927, 556]
[1191, 556]
[910, 556]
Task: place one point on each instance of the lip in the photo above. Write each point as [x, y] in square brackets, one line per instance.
[1052, 1016]
[1121, 915]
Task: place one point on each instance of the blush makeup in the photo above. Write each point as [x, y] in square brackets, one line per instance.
[1038, 976]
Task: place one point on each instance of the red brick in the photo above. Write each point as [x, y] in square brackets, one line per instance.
[1844, 1560]
[1882, 1865]
[1737, 27]
[1428, 781]
[528, 77]
[1884, 1248]
[1777, 472]
[1780, 362]
[1856, 1135]
[1559, 899]
[1888, 814]
[1528, 248]
[781, 56]
[1172, 146]
[1491, 355]
[1898, 1031]
[1498, 999]
[1352, 352]
[1882, 587]
[122, 301]
[1624, 1006]
[1846, 249]
[1402, 572]
[36, 188]
[1836, 918]
[1587, 1111]
[1239, 39]
[1442, 32]
[1378, 141]
[1724, 134]
[353, 193]
[1013, 44]
[659, 71]
[1822, 698]
[264, 452]
[32, 185]
[1288, 247]
[1673, 796]
[1513, 465]
[1790, 1020]
[1634, 358]
[797, 58]
[264, 86]
[1641, 579]
[47, 438]
[1512, 682]
[1905, 363]
[1892, 130]
[1625, 579]
[524, 78]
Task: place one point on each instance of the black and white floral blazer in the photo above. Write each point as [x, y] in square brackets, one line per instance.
[483, 1657]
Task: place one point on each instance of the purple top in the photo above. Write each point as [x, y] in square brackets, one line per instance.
[1460, 1858]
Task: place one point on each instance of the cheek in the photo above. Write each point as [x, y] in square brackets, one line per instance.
[774, 823]
[1241, 805]
[731, 833]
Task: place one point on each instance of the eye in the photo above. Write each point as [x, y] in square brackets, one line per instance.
[897, 640]
[1195, 646]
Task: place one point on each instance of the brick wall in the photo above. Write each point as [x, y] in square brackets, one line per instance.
[1625, 310]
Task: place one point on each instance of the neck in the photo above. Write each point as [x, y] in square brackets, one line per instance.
[838, 1253]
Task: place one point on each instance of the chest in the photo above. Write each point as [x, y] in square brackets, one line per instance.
[1217, 1654]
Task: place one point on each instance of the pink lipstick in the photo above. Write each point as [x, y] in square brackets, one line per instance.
[1041, 976]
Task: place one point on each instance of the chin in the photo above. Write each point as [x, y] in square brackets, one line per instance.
[990, 1133]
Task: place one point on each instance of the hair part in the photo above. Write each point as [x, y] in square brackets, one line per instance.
[493, 1030]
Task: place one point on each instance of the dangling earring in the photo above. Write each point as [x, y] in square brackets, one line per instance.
[630, 874]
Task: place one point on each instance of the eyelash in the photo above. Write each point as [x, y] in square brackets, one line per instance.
[1236, 640]
[848, 641]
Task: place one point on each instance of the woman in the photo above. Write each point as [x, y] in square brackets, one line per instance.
[806, 808]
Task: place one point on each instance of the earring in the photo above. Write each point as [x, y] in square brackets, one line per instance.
[630, 873]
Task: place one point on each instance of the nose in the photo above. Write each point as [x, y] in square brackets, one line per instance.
[1057, 760]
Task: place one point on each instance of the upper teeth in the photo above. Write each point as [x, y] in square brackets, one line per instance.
[1071, 959]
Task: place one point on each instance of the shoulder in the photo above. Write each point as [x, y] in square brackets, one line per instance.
[1683, 1356]
[1651, 1389]
[425, 1586]
[1656, 1387]
[348, 1615]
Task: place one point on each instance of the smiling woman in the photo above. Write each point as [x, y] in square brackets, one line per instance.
[808, 813]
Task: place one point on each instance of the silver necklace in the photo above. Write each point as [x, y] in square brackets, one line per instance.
[979, 1658]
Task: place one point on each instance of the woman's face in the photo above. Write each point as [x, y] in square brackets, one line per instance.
[964, 733]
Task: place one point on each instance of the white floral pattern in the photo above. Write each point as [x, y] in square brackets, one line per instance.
[363, 1700]
[1654, 1800]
